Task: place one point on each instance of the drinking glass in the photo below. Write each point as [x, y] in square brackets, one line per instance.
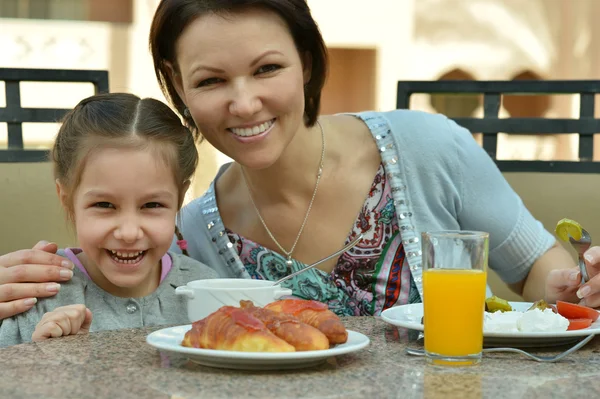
[454, 286]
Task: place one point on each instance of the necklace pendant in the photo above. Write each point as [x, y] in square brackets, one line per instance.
[289, 262]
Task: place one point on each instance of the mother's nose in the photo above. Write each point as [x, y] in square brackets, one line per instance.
[244, 102]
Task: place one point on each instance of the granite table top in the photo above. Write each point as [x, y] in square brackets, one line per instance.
[120, 364]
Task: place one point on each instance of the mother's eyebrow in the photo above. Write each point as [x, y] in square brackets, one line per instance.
[263, 55]
[219, 70]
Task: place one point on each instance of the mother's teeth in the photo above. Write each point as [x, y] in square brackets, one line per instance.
[251, 131]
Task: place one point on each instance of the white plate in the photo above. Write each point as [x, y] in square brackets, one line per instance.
[169, 340]
[409, 316]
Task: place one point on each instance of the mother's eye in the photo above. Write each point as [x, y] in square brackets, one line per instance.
[105, 205]
[268, 68]
[209, 82]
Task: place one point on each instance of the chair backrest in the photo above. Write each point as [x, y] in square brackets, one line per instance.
[29, 204]
[551, 190]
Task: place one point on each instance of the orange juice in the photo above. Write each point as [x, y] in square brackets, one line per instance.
[453, 305]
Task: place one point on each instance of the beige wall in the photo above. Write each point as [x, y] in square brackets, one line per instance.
[384, 25]
[30, 210]
[351, 82]
[551, 197]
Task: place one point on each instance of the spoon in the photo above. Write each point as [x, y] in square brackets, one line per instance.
[581, 246]
[547, 359]
[341, 251]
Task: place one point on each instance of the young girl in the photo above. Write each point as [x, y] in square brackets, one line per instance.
[122, 166]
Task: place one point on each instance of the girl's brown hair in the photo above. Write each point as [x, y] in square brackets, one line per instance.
[173, 16]
[120, 120]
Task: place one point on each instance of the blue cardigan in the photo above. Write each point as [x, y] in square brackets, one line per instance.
[441, 179]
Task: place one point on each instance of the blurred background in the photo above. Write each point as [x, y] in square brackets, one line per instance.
[372, 45]
[371, 48]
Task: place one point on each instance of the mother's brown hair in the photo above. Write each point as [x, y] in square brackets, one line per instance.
[173, 16]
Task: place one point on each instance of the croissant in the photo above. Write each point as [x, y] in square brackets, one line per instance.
[301, 336]
[234, 329]
[315, 314]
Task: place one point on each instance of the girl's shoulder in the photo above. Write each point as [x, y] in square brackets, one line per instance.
[191, 268]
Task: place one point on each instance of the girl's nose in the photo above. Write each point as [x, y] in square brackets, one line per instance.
[128, 230]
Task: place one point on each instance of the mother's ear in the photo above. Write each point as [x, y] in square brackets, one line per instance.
[307, 67]
[176, 79]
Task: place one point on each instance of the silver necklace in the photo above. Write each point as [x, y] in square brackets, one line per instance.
[310, 204]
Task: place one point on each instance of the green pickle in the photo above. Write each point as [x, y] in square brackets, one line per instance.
[495, 304]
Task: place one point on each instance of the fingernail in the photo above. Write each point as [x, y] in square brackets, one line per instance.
[66, 274]
[30, 301]
[589, 258]
[44, 242]
[67, 264]
[53, 287]
[573, 276]
[583, 292]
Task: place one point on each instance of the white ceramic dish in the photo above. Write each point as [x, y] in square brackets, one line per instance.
[409, 316]
[169, 340]
[207, 296]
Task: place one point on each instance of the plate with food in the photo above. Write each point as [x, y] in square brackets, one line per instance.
[523, 324]
[285, 334]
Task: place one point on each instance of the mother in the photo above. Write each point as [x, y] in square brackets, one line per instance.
[248, 75]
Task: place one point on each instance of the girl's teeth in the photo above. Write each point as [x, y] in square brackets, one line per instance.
[127, 257]
[253, 131]
[126, 254]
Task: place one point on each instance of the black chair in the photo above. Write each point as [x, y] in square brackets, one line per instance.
[28, 200]
[15, 115]
[585, 126]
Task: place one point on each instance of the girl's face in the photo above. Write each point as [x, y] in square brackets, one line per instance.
[243, 81]
[124, 211]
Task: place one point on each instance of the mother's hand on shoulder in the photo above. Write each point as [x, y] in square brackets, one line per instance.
[30, 274]
[565, 284]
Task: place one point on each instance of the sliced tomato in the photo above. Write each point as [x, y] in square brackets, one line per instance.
[574, 311]
[578, 324]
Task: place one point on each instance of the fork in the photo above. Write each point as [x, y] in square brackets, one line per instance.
[581, 246]
[543, 359]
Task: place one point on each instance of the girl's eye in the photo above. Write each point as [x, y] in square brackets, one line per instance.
[209, 82]
[268, 68]
[153, 205]
[106, 205]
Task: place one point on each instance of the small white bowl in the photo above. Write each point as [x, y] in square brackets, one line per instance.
[207, 296]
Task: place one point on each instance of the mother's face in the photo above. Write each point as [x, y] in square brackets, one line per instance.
[243, 80]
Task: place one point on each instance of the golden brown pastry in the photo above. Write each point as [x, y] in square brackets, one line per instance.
[301, 336]
[316, 314]
[234, 329]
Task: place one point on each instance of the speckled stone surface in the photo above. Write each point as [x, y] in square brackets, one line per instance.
[119, 364]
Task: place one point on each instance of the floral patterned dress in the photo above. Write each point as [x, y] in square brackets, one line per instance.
[366, 280]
